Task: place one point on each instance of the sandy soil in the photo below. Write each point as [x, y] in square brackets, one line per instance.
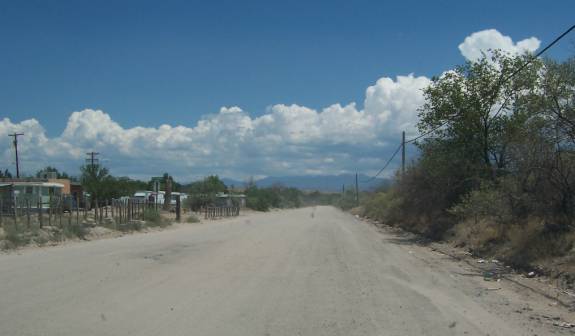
[311, 271]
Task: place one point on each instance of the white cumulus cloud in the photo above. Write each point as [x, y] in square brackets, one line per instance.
[285, 140]
[490, 39]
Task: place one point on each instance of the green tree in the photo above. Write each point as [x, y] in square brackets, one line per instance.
[544, 160]
[124, 186]
[97, 181]
[208, 186]
[203, 193]
[556, 100]
[473, 108]
[167, 191]
[262, 199]
[49, 169]
[473, 119]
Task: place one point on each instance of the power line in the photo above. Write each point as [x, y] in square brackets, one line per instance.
[496, 89]
[385, 166]
[541, 52]
[356, 190]
[502, 81]
[531, 60]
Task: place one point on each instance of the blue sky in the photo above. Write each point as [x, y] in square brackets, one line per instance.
[148, 63]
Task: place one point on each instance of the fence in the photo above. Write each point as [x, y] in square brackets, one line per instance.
[42, 210]
[67, 210]
[217, 212]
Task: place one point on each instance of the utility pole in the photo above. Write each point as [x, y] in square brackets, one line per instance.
[92, 160]
[403, 153]
[356, 190]
[15, 135]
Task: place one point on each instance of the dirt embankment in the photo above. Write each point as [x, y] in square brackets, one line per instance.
[29, 235]
[552, 278]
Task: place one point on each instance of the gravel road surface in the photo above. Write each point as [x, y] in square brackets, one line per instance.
[310, 271]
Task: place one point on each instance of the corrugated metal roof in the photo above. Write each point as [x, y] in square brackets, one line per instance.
[38, 184]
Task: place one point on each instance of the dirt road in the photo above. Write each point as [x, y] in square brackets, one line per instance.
[311, 271]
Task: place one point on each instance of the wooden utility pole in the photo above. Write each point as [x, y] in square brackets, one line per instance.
[403, 153]
[356, 190]
[92, 160]
[15, 135]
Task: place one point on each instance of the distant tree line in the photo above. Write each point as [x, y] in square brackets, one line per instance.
[5, 174]
[102, 185]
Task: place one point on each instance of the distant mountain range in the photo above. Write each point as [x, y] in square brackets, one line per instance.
[326, 183]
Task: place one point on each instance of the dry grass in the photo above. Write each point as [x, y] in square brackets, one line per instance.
[479, 235]
[520, 244]
[535, 241]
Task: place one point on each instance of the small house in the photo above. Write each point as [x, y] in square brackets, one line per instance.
[30, 192]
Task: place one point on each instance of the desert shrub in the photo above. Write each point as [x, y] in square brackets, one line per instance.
[347, 200]
[14, 235]
[153, 218]
[479, 236]
[488, 202]
[134, 225]
[192, 219]
[262, 199]
[419, 200]
[41, 240]
[289, 197]
[319, 198]
[75, 231]
[383, 206]
[151, 215]
[257, 203]
[536, 240]
[197, 202]
[543, 181]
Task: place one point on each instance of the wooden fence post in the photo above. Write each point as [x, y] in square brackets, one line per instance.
[15, 219]
[60, 210]
[27, 213]
[178, 208]
[40, 206]
[101, 215]
[50, 211]
[77, 210]
[70, 209]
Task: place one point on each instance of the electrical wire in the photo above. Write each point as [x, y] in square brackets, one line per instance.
[385, 166]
